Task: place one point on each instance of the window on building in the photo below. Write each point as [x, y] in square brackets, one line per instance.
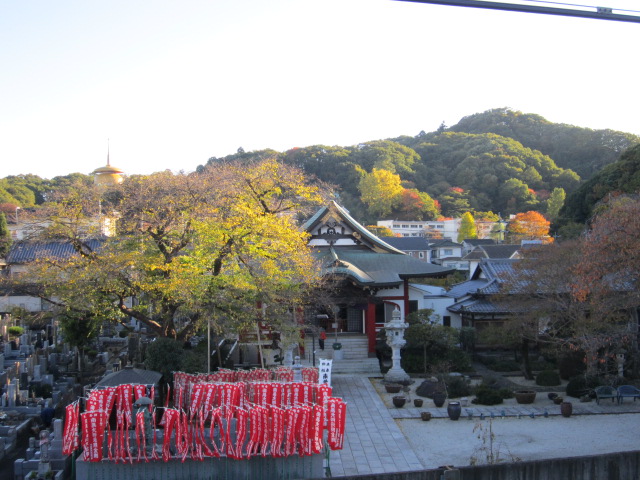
[420, 254]
[396, 226]
[439, 226]
[448, 251]
[446, 320]
[405, 226]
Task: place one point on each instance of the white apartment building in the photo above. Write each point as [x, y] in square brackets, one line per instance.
[447, 229]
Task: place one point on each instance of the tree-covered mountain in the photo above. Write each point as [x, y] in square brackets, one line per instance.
[583, 150]
[617, 178]
[501, 161]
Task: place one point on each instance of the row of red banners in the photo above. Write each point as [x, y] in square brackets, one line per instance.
[279, 374]
[234, 420]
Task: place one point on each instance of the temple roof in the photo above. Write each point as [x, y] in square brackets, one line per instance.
[344, 247]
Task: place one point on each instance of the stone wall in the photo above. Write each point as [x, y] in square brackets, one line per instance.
[613, 466]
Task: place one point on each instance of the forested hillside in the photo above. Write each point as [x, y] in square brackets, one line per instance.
[496, 162]
[499, 161]
[615, 179]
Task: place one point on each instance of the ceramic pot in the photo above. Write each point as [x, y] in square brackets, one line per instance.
[393, 387]
[399, 401]
[566, 409]
[438, 399]
[417, 402]
[558, 400]
[525, 396]
[454, 409]
[425, 416]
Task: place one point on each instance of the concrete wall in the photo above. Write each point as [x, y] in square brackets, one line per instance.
[211, 468]
[613, 466]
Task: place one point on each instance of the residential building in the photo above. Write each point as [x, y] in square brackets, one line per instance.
[417, 247]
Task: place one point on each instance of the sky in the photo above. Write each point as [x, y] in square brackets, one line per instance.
[166, 85]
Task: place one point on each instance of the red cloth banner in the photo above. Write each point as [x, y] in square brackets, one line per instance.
[92, 435]
[70, 439]
[323, 393]
[139, 391]
[141, 439]
[336, 416]
[316, 427]
[277, 431]
[310, 374]
[170, 420]
[241, 432]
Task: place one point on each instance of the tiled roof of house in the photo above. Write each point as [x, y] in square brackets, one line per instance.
[445, 242]
[25, 252]
[479, 241]
[407, 244]
[501, 251]
[466, 288]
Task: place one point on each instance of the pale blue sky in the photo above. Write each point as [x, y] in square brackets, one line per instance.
[173, 83]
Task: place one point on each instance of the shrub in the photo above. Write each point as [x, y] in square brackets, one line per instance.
[548, 378]
[460, 361]
[505, 393]
[505, 366]
[582, 385]
[15, 331]
[457, 386]
[487, 396]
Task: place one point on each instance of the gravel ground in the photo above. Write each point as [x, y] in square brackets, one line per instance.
[445, 442]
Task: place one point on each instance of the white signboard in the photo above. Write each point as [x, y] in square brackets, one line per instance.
[324, 371]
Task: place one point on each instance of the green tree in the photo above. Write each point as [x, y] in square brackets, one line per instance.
[5, 236]
[467, 227]
[454, 202]
[435, 340]
[381, 191]
[187, 246]
[555, 203]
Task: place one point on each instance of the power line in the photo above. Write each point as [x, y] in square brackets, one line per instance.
[601, 13]
[595, 7]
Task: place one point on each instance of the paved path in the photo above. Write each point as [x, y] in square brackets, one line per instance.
[373, 441]
[375, 444]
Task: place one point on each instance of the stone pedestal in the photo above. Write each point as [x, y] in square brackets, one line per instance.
[395, 339]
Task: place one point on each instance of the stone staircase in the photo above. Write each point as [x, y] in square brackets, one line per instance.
[354, 350]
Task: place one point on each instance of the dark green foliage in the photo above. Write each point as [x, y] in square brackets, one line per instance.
[467, 338]
[164, 355]
[15, 331]
[5, 236]
[571, 364]
[487, 396]
[582, 150]
[582, 385]
[548, 378]
[620, 177]
[506, 393]
[457, 386]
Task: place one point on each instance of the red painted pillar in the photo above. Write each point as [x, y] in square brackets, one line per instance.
[370, 326]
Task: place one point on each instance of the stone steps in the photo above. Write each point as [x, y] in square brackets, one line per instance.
[355, 356]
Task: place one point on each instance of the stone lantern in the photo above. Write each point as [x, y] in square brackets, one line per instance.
[395, 339]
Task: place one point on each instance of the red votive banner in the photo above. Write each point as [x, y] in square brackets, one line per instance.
[234, 414]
